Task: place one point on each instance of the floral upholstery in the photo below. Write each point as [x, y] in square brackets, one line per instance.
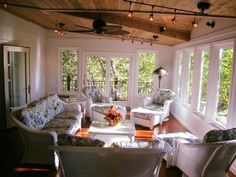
[50, 114]
[93, 93]
[69, 140]
[62, 123]
[163, 95]
[220, 135]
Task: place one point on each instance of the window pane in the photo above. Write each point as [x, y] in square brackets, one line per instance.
[119, 76]
[146, 68]
[190, 77]
[96, 72]
[224, 83]
[180, 58]
[203, 81]
[69, 70]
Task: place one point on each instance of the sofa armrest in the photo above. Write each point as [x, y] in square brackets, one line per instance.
[37, 144]
[146, 101]
[75, 107]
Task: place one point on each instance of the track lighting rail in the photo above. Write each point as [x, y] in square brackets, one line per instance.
[180, 13]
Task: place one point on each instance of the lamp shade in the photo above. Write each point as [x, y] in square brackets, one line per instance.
[160, 71]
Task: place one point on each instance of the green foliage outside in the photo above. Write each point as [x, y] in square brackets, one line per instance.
[190, 80]
[225, 76]
[146, 68]
[204, 77]
[69, 70]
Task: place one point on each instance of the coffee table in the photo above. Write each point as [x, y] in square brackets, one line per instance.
[124, 128]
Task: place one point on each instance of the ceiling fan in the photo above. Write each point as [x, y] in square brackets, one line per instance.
[99, 26]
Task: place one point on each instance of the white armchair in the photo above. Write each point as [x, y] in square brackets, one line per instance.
[211, 159]
[94, 96]
[160, 101]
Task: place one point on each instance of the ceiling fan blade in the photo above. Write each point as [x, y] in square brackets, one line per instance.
[82, 31]
[112, 27]
[120, 32]
[83, 27]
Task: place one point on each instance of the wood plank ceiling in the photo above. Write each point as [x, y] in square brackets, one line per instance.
[77, 13]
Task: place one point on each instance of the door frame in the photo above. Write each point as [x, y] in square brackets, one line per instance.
[6, 49]
[108, 56]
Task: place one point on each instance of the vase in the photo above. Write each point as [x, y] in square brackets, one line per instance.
[113, 123]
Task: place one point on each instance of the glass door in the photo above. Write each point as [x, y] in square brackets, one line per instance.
[16, 76]
[110, 74]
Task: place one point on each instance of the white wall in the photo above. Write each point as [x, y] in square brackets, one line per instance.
[89, 43]
[16, 31]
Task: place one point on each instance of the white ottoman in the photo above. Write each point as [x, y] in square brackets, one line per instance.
[146, 117]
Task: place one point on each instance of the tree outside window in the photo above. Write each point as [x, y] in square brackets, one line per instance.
[190, 77]
[224, 84]
[69, 62]
[145, 75]
[203, 81]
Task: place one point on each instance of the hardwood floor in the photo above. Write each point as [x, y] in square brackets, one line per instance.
[14, 150]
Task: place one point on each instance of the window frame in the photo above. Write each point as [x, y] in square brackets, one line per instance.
[216, 60]
[197, 77]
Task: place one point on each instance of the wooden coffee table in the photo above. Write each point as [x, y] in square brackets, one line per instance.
[124, 128]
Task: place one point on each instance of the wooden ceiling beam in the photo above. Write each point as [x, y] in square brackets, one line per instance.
[136, 23]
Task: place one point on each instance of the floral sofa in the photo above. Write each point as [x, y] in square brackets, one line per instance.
[40, 122]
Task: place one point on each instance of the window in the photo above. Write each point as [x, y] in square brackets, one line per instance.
[69, 60]
[180, 66]
[146, 62]
[204, 65]
[224, 84]
[190, 55]
[110, 73]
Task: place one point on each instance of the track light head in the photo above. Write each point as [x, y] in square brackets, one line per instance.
[155, 37]
[130, 14]
[211, 24]
[151, 18]
[162, 29]
[173, 20]
[194, 24]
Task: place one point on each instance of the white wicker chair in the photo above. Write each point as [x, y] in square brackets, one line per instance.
[109, 162]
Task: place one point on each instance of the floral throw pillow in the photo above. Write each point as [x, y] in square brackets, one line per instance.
[220, 135]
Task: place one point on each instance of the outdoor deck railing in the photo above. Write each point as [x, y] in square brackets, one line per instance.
[118, 90]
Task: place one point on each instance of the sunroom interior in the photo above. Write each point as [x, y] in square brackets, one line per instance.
[200, 62]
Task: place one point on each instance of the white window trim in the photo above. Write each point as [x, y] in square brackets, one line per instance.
[197, 78]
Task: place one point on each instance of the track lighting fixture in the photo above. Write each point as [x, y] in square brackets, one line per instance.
[151, 17]
[162, 29]
[130, 14]
[174, 19]
[155, 37]
[5, 4]
[194, 23]
[211, 24]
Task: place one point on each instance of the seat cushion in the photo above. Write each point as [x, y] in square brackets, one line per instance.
[65, 122]
[69, 140]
